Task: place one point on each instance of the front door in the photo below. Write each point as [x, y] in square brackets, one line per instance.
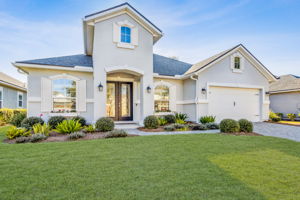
[119, 101]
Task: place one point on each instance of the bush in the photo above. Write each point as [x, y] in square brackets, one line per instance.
[170, 128]
[279, 115]
[14, 132]
[116, 133]
[291, 116]
[245, 126]
[151, 122]
[207, 119]
[17, 119]
[212, 126]
[90, 129]
[37, 137]
[229, 126]
[76, 135]
[6, 114]
[170, 119]
[162, 121]
[198, 127]
[179, 126]
[42, 129]
[180, 121]
[105, 124]
[68, 126]
[30, 121]
[23, 139]
[273, 117]
[55, 120]
[181, 116]
[81, 120]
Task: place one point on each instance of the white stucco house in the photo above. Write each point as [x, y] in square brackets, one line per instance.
[119, 76]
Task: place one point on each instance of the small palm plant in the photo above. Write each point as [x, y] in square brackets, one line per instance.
[41, 129]
[68, 126]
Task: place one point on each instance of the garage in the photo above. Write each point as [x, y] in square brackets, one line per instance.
[234, 103]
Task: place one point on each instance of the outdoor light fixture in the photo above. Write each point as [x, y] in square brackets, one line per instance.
[100, 87]
[149, 89]
[203, 90]
[267, 93]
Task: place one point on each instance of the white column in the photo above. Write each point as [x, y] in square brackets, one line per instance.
[147, 99]
[99, 97]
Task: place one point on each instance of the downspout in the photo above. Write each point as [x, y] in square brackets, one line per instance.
[197, 95]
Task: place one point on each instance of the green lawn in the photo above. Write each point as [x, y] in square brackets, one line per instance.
[152, 167]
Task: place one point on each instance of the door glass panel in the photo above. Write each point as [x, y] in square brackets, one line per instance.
[125, 100]
[111, 100]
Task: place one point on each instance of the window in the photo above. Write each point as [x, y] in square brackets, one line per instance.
[64, 95]
[20, 100]
[161, 99]
[1, 97]
[237, 63]
[125, 34]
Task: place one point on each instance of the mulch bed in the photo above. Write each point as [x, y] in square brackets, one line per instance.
[243, 133]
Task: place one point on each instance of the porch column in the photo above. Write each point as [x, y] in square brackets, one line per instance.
[147, 99]
[99, 96]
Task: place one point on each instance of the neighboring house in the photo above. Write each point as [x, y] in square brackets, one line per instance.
[285, 95]
[118, 76]
[13, 93]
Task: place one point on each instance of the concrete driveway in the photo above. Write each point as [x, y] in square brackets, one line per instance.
[278, 130]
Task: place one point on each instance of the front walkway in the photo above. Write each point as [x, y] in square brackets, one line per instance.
[142, 133]
[278, 130]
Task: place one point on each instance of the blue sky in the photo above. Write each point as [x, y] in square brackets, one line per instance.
[193, 30]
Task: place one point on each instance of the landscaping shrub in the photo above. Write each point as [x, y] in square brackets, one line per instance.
[180, 121]
[151, 122]
[90, 129]
[170, 119]
[116, 133]
[30, 121]
[55, 120]
[6, 114]
[291, 116]
[170, 128]
[37, 137]
[246, 126]
[198, 127]
[162, 121]
[14, 132]
[179, 126]
[42, 129]
[23, 139]
[81, 120]
[207, 119]
[212, 126]
[105, 124]
[68, 126]
[273, 117]
[17, 119]
[229, 126]
[181, 116]
[279, 115]
[76, 135]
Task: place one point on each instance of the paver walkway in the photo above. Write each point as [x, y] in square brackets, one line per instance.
[278, 130]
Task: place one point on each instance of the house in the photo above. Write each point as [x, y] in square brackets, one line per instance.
[119, 76]
[285, 95]
[13, 93]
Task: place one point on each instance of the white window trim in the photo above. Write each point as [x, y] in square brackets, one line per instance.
[172, 96]
[242, 63]
[18, 94]
[118, 42]
[2, 99]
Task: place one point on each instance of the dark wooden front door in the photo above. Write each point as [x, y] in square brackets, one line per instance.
[119, 101]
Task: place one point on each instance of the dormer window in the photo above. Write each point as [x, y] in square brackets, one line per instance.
[237, 63]
[125, 34]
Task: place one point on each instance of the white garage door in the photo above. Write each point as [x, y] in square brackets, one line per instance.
[234, 103]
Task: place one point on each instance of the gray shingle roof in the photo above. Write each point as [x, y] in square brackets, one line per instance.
[65, 61]
[285, 83]
[161, 65]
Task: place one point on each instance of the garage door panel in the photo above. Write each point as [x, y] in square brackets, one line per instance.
[235, 103]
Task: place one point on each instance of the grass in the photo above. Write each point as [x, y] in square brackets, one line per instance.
[189, 167]
[290, 122]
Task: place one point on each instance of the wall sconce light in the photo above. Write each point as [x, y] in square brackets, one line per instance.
[100, 87]
[203, 90]
[149, 89]
[267, 93]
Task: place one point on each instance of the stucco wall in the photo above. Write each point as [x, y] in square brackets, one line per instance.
[107, 54]
[10, 97]
[285, 102]
[34, 91]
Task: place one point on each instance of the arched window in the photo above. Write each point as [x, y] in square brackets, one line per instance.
[125, 34]
[64, 95]
[162, 99]
[237, 62]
